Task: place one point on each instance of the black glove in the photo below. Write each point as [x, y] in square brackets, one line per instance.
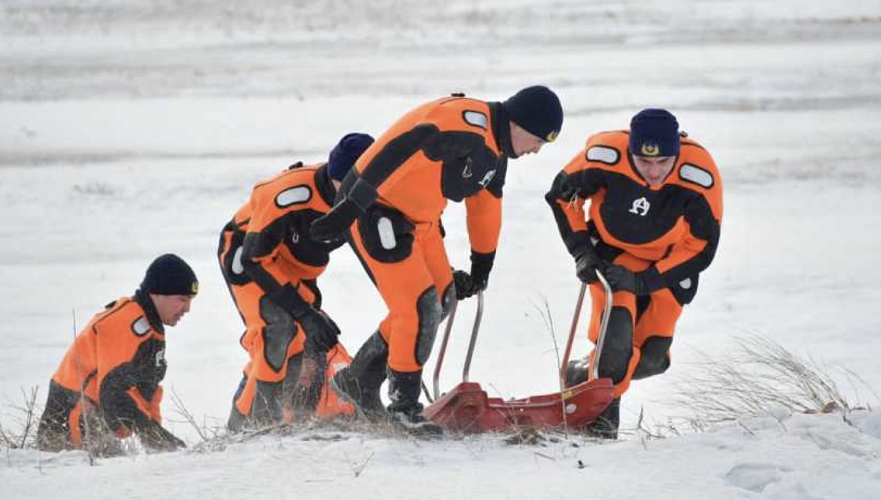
[586, 264]
[481, 265]
[334, 223]
[464, 285]
[157, 438]
[620, 278]
[321, 332]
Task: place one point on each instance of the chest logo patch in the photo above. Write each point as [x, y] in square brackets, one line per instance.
[160, 357]
[466, 172]
[640, 207]
[487, 178]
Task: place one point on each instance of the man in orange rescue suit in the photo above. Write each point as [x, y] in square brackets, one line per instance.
[452, 148]
[271, 266]
[108, 382]
[653, 225]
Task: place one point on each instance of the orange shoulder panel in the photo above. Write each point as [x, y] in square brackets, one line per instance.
[121, 328]
[697, 171]
[288, 191]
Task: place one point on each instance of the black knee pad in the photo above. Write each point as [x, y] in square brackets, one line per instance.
[387, 235]
[618, 346]
[277, 334]
[655, 358]
[430, 311]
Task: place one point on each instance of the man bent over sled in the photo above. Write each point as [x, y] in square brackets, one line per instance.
[653, 226]
[271, 265]
[389, 207]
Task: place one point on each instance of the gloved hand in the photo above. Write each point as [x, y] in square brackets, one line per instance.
[481, 265]
[321, 331]
[464, 285]
[331, 226]
[620, 278]
[156, 438]
[586, 264]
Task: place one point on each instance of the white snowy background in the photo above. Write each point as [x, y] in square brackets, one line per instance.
[133, 128]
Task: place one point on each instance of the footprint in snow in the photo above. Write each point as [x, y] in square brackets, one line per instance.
[754, 476]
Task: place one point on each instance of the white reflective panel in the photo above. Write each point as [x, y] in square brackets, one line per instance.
[141, 326]
[237, 267]
[386, 233]
[603, 154]
[697, 175]
[299, 194]
[686, 283]
[475, 118]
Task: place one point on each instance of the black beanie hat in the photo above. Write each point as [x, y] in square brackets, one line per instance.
[537, 110]
[170, 275]
[344, 154]
[654, 132]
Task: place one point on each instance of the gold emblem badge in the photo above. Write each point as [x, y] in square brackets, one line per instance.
[194, 288]
[650, 149]
[552, 136]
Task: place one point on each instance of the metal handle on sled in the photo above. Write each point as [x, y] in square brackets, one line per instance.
[601, 339]
[443, 349]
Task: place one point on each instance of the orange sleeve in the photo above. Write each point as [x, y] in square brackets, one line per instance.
[574, 185]
[696, 251]
[484, 219]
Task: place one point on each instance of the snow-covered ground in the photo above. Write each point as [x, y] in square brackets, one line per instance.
[129, 129]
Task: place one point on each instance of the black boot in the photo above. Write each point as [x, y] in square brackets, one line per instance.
[405, 409]
[577, 371]
[266, 409]
[359, 384]
[606, 424]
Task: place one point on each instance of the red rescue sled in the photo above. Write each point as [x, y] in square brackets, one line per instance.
[468, 409]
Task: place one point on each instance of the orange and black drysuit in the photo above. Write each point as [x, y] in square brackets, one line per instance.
[452, 148]
[271, 266]
[667, 233]
[114, 367]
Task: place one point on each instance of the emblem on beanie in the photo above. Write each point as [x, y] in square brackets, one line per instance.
[552, 136]
[640, 207]
[194, 288]
[650, 149]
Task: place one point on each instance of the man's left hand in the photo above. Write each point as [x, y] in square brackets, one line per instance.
[464, 285]
[622, 279]
[481, 265]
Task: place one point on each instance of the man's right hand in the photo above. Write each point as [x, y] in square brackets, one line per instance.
[321, 332]
[586, 265]
[156, 438]
[464, 285]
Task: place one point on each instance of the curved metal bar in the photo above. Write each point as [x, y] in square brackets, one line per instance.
[604, 326]
[572, 331]
[474, 331]
[443, 350]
